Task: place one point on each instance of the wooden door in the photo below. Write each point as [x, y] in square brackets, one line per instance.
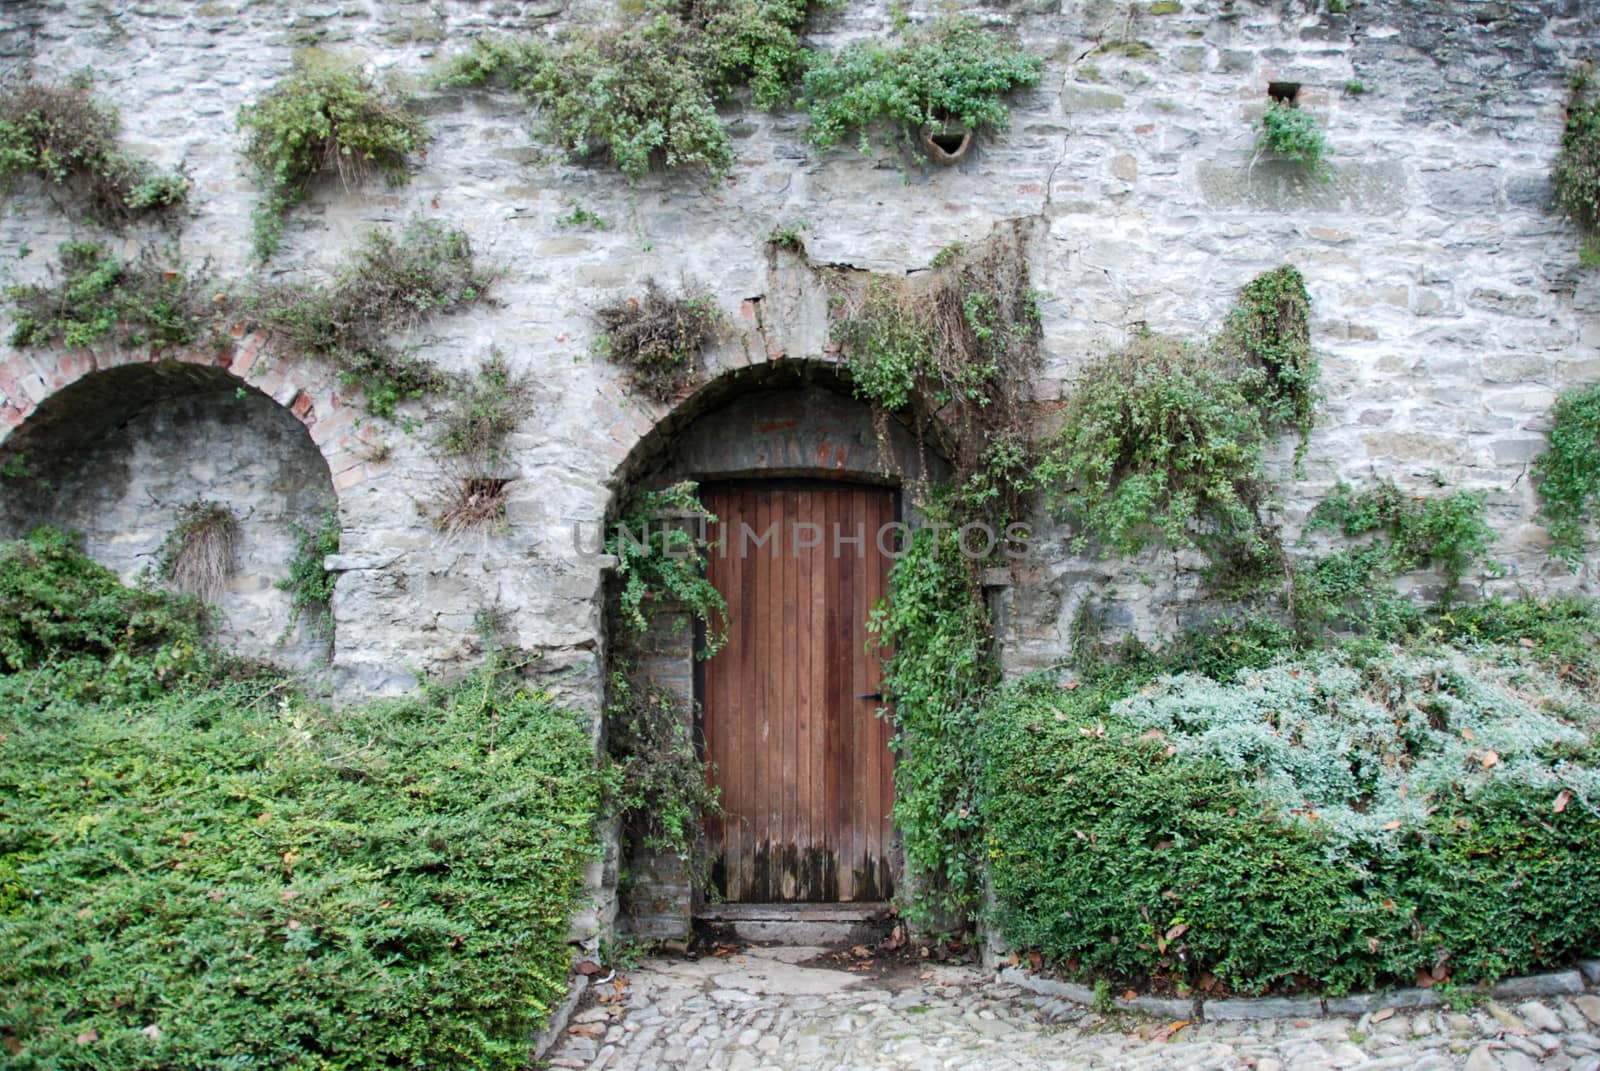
[791, 724]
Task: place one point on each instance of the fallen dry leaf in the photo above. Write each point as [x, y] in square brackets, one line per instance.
[1562, 801]
[1381, 1014]
[1166, 1032]
[1490, 758]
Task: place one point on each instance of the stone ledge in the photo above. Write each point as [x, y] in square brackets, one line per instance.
[557, 1024]
[1556, 983]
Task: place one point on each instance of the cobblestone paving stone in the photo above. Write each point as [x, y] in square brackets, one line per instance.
[766, 1009]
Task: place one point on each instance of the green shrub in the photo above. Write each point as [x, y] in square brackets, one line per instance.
[1291, 133]
[323, 118]
[1577, 170]
[137, 303]
[646, 94]
[1325, 823]
[232, 876]
[1159, 446]
[68, 138]
[951, 72]
[1444, 531]
[658, 556]
[1567, 474]
[389, 285]
[657, 338]
[57, 606]
[1162, 443]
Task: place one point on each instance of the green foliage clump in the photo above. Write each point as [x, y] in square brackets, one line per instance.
[938, 676]
[1326, 824]
[1270, 331]
[309, 583]
[197, 555]
[646, 94]
[68, 138]
[1445, 532]
[1567, 474]
[657, 338]
[658, 556]
[231, 876]
[1577, 170]
[390, 284]
[1159, 446]
[1292, 133]
[1162, 442]
[952, 72]
[323, 118]
[58, 608]
[140, 302]
[662, 792]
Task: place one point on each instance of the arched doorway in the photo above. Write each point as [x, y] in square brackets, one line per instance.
[808, 488]
[118, 454]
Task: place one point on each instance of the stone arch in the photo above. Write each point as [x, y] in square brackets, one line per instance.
[112, 443]
[787, 417]
[782, 419]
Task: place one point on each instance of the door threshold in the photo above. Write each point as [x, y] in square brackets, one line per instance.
[797, 923]
[797, 912]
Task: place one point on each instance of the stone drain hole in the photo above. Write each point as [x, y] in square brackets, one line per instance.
[1284, 92]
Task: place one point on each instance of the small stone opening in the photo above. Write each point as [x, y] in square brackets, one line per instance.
[1287, 93]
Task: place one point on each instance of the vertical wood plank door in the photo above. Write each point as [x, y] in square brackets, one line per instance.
[802, 760]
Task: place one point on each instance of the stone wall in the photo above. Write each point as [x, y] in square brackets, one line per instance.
[1448, 308]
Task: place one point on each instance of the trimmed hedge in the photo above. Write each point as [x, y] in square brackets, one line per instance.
[1147, 846]
[225, 875]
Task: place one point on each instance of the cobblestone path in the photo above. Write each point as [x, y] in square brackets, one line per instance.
[766, 1008]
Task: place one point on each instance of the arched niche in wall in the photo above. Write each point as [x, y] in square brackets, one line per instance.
[787, 712]
[117, 453]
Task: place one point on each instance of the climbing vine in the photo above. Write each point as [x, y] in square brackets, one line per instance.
[661, 791]
[1567, 474]
[939, 675]
[660, 556]
[309, 583]
[953, 348]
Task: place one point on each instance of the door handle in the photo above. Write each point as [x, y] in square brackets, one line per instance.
[875, 696]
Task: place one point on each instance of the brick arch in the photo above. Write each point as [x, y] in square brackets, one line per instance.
[30, 380]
